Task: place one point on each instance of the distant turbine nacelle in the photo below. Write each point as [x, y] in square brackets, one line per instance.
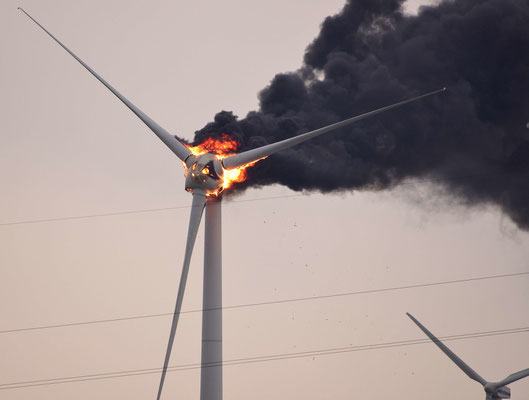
[495, 392]
[204, 174]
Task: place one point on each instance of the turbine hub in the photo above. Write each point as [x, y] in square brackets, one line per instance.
[203, 174]
[494, 392]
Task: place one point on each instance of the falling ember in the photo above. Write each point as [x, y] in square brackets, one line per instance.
[223, 147]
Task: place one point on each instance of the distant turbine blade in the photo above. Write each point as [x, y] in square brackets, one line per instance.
[181, 151]
[512, 378]
[197, 208]
[459, 362]
[255, 154]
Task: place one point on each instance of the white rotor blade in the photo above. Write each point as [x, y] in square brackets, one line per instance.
[181, 151]
[197, 208]
[513, 378]
[255, 154]
[459, 362]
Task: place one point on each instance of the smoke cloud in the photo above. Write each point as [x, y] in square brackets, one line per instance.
[473, 139]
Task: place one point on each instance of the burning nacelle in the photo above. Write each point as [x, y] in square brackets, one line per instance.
[204, 174]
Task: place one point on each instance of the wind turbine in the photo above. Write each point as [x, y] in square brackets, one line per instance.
[207, 175]
[493, 390]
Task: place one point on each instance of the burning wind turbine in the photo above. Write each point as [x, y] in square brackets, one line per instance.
[210, 168]
[493, 390]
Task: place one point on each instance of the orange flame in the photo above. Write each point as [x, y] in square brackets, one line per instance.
[224, 147]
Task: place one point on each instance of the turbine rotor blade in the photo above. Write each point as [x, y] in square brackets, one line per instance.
[197, 208]
[512, 378]
[181, 151]
[255, 154]
[459, 362]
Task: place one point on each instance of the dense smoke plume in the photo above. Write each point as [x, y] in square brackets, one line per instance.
[473, 138]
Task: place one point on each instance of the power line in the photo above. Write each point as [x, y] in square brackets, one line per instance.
[257, 359]
[149, 210]
[264, 303]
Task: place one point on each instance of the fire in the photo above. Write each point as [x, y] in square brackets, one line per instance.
[222, 148]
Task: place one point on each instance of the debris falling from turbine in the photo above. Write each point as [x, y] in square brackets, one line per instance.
[472, 140]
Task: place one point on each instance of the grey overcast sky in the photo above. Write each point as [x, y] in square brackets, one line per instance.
[69, 148]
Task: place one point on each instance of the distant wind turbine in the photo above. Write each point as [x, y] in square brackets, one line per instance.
[493, 390]
[210, 168]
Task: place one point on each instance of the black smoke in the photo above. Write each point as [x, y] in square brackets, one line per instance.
[472, 139]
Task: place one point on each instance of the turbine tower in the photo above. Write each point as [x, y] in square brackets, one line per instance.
[206, 176]
[493, 390]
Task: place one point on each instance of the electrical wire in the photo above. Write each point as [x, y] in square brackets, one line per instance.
[256, 359]
[264, 303]
[149, 210]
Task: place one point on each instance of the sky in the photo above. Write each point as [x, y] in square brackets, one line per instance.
[69, 148]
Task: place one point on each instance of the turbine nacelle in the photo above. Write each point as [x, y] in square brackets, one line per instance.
[204, 174]
[495, 392]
